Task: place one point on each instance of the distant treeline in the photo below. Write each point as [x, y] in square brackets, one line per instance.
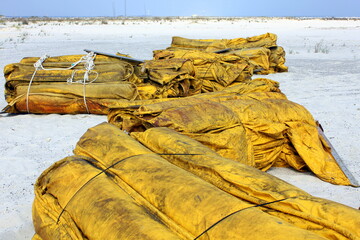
[30, 19]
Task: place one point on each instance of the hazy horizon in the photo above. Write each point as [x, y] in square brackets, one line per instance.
[168, 8]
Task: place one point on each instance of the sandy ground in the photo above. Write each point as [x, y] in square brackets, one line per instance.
[327, 83]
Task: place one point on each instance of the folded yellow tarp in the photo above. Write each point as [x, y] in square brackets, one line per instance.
[277, 60]
[92, 83]
[58, 85]
[121, 114]
[245, 61]
[213, 71]
[180, 76]
[67, 84]
[70, 205]
[325, 218]
[211, 45]
[64, 85]
[261, 51]
[171, 77]
[264, 60]
[258, 129]
[115, 188]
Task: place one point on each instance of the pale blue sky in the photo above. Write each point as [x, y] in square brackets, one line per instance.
[306, 8]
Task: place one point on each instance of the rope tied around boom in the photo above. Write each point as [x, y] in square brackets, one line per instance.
[87, 60]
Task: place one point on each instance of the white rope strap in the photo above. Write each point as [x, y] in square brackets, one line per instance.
[52, 69]
[89, 65]
[84, 97]
[37, 65]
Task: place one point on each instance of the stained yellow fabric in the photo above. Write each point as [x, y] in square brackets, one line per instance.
[115, 188]
[97, 209]
[121, 114]
[59, 87]
[264, 60]
[261, 51]
[277, 59]
[273, 130]
[325, 218]
[214, 71]
[238, 64]
[258, 57]
[171, 78]
[62, 98]
[211, 45]
[60, 90]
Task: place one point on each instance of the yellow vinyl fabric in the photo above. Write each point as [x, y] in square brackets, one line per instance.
[277, 60]
[94, 208]
[237, 64]
[264, 60]
[60, 86]
[122, 114]
[115, 188]
[94, 83]
[261, 51]
[213, 71]
[259, 129]
[169, 78]
[211, 45]
[325, 218]
[258, 57]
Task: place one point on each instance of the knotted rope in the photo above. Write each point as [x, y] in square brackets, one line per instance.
[89, 65]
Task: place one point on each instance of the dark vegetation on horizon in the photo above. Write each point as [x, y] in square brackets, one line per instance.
[34, 19]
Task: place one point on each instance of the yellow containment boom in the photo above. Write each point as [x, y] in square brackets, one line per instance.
[262, 129]
[115, 188]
